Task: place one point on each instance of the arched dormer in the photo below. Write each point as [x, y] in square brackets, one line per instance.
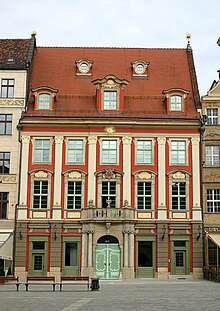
[44, 98]
[175, 100]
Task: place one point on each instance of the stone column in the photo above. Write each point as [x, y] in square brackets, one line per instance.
[131, 249]
[90, 261]
[197, 212]
[125, 248]
[57, 177]
[127, 168]
[162, 212]
[92, 140]
[22, 209]
[84, 249]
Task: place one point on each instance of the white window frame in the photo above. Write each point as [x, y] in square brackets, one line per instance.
[212, 155]
[74, 176]
[176, 106]
[110, 103]
[212, 117]
[141, 177]
[184, 177]
[144, 196]
[117, 140]
[40, 194]
[186, 141]
[179, 196]
[41, 105]
[34, 148]
[74, 195]
[109, 194]
[213, 200]
[137, 140]
[68, 162]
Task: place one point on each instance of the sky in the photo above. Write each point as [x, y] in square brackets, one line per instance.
[121, 23]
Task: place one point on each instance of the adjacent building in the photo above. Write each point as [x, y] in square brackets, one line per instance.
[110, 165]
[15, 63]
[211, 175]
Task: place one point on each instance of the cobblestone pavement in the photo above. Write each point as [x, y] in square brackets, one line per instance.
[136, 295]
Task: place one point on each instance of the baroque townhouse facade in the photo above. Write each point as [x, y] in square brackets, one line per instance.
[211, 175]
[15, 62]
[110, 165]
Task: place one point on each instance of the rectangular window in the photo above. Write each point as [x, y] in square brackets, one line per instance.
[40, 194]
[213, 200]
[42, 150]
[108, 194]
[3, 204]
[179, 195]
[109, 151]
[144, 195]
[71, 253]
[212, 114]
[4, 162]
[144, 152]
[5, 124]
[44, 101]
[212, 155]
[110, 100]
[7, 89]
[178, 152]
[75, 151]
[176, 103]
[74, 195]
[145, 254]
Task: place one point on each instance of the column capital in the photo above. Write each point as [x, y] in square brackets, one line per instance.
[25, 139]
[126, 140]
[58, 139]
[161, 140]
[92, 140]
[195, 140]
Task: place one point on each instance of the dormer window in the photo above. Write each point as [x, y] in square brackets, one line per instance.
[110, 93]
[175, 100]
[44, 98]
[139, 69]
[84, 67]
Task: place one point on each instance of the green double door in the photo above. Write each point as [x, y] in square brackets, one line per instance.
[107, 261]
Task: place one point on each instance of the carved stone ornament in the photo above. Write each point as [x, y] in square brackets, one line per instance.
[110, 84]
[195, 140]
[7, 179]
[75, 174]
[41, 174]
[126, 140]
[110, 130]
[58, 139]
[92, 140]
[109, 173]
[212, 177]
[144, 175]
[12, 103]
[25, 139]
[179, 175]
[125, 203]
[212, 135]
[161, 140]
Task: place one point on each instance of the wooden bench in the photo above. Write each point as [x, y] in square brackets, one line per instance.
[9, 280]
[40, 280]
[74, 280]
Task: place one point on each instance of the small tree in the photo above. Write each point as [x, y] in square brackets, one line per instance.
[2, 271]
[9, 271]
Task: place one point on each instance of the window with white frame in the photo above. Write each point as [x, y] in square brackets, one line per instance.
[144, 195]
[74, 195]
[108, 151]
[44, 101]
[178, 152]
[144, 152]
[109, 100]
[108, 194]
[40, 194]
[176, 103]
[7, 88]
[75, 149]
[212, 114]
[41, 152]
[178, 195]
[213, 200]
[212, 155]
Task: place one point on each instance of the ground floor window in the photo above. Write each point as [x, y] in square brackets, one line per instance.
[145, 254]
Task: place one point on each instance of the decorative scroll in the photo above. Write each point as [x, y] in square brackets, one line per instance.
[75, 174]
[179, 175]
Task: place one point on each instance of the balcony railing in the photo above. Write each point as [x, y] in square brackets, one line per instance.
[107, 214]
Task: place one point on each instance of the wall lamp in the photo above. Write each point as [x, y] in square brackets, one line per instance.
[199, 234]
[163, 232]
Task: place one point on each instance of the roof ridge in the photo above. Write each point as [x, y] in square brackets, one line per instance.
[106, 47]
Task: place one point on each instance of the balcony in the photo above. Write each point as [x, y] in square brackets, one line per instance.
[107, 214]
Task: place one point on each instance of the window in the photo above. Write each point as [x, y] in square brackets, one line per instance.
[144, 195]
[144, 152]
[74, 195]
[178, 152]
[7, 90]
[109, 151]
[212, 114]
[212, 155]
[75, 151]
[3, 204]
[176, 103]
[4, 162]
[41, 150]
[40, 194]
[44, 101]
[108, 194]
[179, 195]
[213, 200]
[5, 124]
[110, 100]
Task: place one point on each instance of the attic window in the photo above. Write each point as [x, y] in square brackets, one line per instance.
[44, 98]
[84, 67]
[139, 69]
[175, 100]
[10, 60]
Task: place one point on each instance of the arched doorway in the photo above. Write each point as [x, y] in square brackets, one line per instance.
[107, 258]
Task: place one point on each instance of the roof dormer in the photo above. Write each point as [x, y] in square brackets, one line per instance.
[84, 67]
[44, 98]
[110, 93]
[175, 100]
[139, 69]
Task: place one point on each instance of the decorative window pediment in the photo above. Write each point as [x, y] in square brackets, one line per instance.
[175, 100]
[84, 67]
[44, 98]
[139, 69]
